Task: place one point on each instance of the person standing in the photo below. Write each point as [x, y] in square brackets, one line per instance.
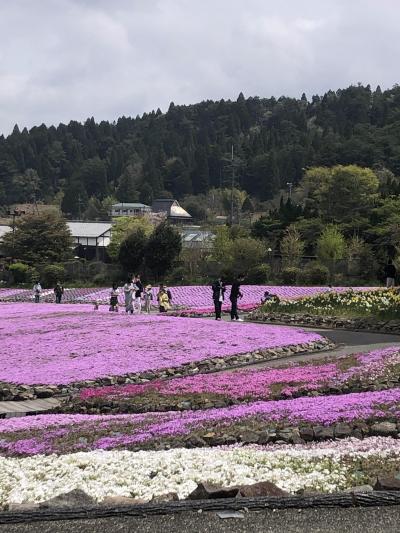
[128, 294]
[37, 289]
[114, 298]
[169, 294]
[234, 296]
[390, 274]
[58, 291]
[218, 289]
[148, 298]
[138, 294]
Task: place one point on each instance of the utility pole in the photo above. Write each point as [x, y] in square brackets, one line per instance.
[232, 188]
[14, 214]
[79, 207]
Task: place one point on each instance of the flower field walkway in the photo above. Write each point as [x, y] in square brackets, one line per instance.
[27, 406]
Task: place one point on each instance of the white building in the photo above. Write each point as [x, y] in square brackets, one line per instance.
[92, 237]
[129, 209]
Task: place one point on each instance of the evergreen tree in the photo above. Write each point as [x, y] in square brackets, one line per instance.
[132, 250]
[163, 248]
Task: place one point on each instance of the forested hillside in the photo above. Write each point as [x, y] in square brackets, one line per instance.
[187, 150]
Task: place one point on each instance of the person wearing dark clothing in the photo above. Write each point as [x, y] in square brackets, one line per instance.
[390, 274]
[138, 294]
[58, 291]
[218, 289]
[234, 296]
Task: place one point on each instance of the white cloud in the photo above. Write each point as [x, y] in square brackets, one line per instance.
[70, 59]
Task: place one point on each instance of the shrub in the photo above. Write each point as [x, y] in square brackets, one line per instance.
[290, 275]
[259, 274]
[314, 274]
[20, 272]
[51, 274]
[101, 280]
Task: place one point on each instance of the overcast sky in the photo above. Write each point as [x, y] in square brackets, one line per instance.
[63, 60]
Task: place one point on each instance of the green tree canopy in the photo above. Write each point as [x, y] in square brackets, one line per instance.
[292, 248]
[132, 250]
[122, 227]
[163, 248]
[39, 238]
[331, 247]
[341, 192]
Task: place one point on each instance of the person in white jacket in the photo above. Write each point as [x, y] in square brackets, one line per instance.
[128, 294]
[37, 289]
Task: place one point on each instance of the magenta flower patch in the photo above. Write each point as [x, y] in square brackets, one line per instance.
[53, 344]
[258, 384]
[69, 433]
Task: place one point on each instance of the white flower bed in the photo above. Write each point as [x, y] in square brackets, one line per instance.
[325, 467]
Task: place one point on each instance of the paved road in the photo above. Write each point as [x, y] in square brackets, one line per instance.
[354, 520]
[348, 342]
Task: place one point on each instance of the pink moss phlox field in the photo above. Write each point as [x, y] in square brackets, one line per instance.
[192, 297]
[200, 297]
[60, 344]
[108, 431]
[257, 383]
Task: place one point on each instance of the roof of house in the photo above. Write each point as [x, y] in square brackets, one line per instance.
[4, 229]
[171, 207]
[89, 229]
[77, 229]
[191, 235]
[177, 211]
[163, 204]
[128, 205]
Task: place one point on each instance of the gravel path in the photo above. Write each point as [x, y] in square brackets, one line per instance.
[352, 520]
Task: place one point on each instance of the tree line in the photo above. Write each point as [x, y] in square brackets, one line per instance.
[186, 151]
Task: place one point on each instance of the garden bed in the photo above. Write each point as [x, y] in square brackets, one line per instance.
[376, 309]
[323, 467]
[296, 420]
[376, 370]
[371, 324]
[52, 349]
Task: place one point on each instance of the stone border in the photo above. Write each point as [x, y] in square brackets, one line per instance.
[13, 392]
[327, 322]
[300, 434]
[183, 402]
[341, 499]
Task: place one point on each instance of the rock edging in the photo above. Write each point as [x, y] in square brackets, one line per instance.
[328, 322]
[353, 498]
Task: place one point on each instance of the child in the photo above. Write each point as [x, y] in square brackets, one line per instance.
[163, 300]
[96, 305]
[114, 298]
[148, 297]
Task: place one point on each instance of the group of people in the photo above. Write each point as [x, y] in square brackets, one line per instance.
[218, 292]
[135, 294]
[58, 292]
